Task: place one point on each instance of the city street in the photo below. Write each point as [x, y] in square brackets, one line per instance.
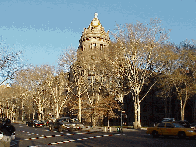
[29, 136]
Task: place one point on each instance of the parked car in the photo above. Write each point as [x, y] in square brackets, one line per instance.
[76, 124]
[63, 123]
[171, 129]
[53, 119]
[35, 123]
[184, 123]
[193, 126]
[46, 122]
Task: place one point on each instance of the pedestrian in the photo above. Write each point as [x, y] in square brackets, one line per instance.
[7, 130]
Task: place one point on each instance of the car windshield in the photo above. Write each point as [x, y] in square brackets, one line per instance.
[177, 125]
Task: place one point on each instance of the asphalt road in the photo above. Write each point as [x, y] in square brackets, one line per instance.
[26, 136]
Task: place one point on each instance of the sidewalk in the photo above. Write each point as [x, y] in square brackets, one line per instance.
[19, 122]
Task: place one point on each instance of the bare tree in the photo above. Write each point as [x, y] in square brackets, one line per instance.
[10, 62]
[142, 56]
[33, 79]
[183, 77]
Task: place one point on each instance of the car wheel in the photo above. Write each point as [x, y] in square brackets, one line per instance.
[155, 134]
[181, 135]
[51, 128]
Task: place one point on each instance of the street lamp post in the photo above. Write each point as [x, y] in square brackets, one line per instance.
[121, 122]
[121, 112]
[22, 111]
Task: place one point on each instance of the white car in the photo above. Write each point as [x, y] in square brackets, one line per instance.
[1, 135]
[76, 124]
[13, 136]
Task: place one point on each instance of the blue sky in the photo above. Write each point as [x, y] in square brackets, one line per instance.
[44, 29]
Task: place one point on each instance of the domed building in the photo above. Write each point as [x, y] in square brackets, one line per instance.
[94, 37]
[91, 53]
[93, 43]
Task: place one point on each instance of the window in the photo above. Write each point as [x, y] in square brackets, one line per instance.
[161, 125]
[168, 125]
[101, 46]
[94, 44]
[177, 125]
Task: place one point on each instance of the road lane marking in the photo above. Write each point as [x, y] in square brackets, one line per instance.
[83, 139]
[42, 137]
[54, 135]
[79, 139]
[29, 133]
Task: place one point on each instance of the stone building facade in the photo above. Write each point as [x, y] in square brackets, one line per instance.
[94, 37]
[93, 43]
[92, 50]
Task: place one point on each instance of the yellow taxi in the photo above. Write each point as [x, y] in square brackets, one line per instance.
[171, 129]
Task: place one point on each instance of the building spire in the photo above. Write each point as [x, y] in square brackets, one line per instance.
[96, 14]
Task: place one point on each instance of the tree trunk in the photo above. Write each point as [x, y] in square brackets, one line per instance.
[34, 114]
[39, 109]
[182, 110]
[135, 108]
[137, 123]
[39, 113]
[93, 119]
[183, 105]
[57, 109]
[138, 113]
[108, 122]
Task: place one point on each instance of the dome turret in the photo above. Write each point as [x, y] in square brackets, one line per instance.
[94, 36]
